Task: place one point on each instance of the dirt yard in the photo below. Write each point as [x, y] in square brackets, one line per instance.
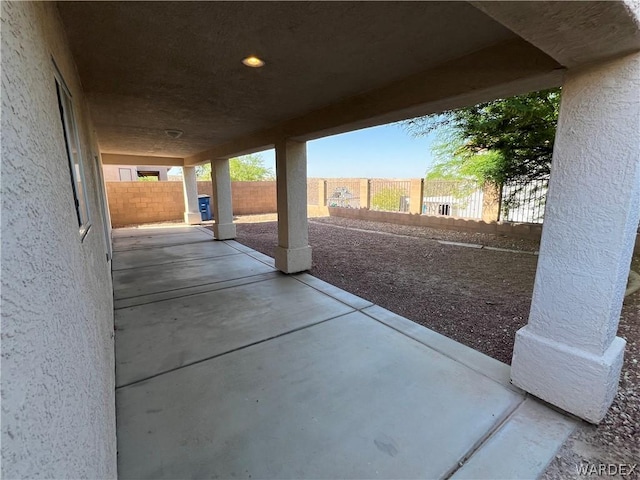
[476, 296]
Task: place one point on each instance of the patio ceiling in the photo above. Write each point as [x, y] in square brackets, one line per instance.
[330, 66]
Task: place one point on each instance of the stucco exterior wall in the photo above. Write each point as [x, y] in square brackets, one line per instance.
[58, 408]
[112, 172]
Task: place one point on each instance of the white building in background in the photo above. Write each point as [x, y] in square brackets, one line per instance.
[128, 173]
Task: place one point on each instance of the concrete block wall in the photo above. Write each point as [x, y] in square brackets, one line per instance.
[132, 203]
[248, 198]
[314, 185]
[251, 198]
[518, 230]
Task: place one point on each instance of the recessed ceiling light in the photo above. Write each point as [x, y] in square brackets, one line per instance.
[253, 61]
[173, 133]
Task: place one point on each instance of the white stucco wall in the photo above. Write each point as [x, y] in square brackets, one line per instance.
[568, 354]
[58, 409]
[112, 172]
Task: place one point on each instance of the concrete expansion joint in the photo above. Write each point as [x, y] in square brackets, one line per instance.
[204, 229]
[151, 247]
[243, 347]
[174, 262]
[501, 421]
[172, 294]
[337, 299]
[262, 258]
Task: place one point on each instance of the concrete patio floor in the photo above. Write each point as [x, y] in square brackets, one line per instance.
[226, 368]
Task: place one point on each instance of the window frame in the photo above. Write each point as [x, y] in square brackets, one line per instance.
[76, 159]
[128, 170]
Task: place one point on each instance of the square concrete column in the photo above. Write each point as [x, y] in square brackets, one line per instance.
[223, 228]
[293, 253]
[416, 195]
[491, 200]
[365, 194]
[569, 354]
[190, 185]
[322, 193]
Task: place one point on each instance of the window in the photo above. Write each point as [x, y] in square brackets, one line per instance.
[74, 154]
[125, 174]
[149, 176]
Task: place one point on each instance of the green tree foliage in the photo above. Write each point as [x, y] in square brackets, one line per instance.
[248, 168]
[387, 199]
[148, 179]
[497, 141]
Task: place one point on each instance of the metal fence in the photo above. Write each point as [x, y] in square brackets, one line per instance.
[344, 193]
[520, 201]
[524, 201]
[389, 195]
[455, 198]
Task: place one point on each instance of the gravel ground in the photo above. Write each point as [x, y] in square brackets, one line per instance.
[477, 297]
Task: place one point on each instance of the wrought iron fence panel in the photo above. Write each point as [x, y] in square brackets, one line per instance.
[455, 198]
[389, 195]
[344, 193]
[524, 201]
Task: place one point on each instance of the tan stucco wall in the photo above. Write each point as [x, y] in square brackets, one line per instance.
[112, 172]
[58, 400]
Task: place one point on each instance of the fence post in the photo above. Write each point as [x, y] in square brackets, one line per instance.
[322, 193]
[491, 200]
[364, 193]
[416, 192]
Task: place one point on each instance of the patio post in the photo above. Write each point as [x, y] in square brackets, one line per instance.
[416, 195]
[365, 195]
[223, 228]
[190, 187]
[293, 253]
[569, 354]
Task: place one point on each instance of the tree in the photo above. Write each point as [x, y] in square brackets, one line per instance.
[248, 168]
[498, 141]
[387, 199]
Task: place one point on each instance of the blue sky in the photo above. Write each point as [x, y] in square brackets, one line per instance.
[386, 151]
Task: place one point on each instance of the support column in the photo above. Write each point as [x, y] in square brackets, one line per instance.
[293, 253]
[416, 196]
[491, 200]
[223, 228]
[364, 193]
[190, 186]
[569, 354]
[322, 193]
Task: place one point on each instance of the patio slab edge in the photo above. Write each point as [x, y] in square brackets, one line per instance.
[341, 295]
[522, 447]
[477, 361]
